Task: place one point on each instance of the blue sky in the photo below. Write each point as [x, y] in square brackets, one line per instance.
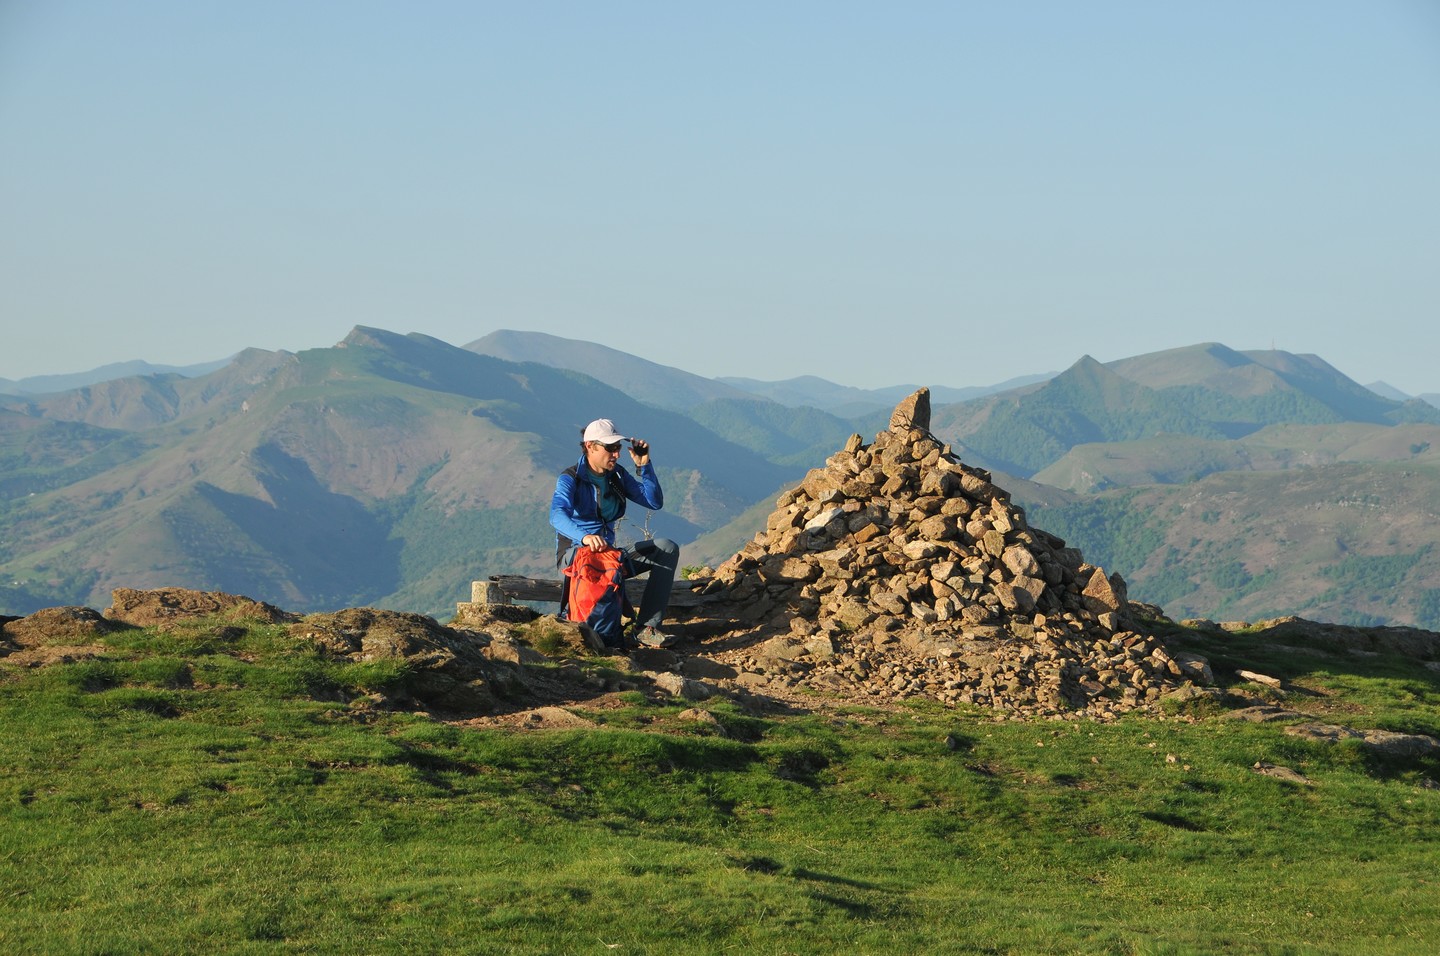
[935, 193]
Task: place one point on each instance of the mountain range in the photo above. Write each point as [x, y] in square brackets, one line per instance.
[393, 469]
[389, 469]
[45, 384]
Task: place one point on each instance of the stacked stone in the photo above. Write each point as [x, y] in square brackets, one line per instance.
[899, 570]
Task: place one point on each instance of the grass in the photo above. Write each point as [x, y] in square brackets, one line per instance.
[215, 790]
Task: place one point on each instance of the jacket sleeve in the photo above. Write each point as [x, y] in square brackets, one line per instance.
[644, 490]
[562, 511]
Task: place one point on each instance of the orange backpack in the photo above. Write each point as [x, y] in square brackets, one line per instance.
[595, 597]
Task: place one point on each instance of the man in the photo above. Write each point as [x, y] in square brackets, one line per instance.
[590, 499]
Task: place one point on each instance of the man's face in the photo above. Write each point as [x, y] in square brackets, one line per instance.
[602, 458]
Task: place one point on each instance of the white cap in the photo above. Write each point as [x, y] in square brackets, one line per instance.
[603, 431]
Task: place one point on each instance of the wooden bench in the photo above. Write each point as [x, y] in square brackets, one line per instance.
[506, 588]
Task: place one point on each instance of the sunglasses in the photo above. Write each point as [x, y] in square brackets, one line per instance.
[612, 449]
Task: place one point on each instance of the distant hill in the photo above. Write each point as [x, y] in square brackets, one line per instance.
[799, 436]
[1218, 369]
[150, 400]
[648, 382]
[1386, 390]
[681, 391]
[1204, 391]
[847, 401]
[45, 384]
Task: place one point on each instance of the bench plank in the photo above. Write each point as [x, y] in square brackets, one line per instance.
[517, 587]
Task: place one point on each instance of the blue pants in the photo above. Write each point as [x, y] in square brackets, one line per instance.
[658, 558]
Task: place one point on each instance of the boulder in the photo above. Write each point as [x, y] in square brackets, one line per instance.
[685, 688]
[912, 413]
[56, 635]
[449, 669]
[1387, 743]
[163, 607]
[58, 624]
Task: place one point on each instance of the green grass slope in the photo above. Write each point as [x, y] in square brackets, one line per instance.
[37, 454]
[226, 789]
[649, 382]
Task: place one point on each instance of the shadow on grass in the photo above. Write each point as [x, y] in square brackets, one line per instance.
[803, 766]
[802, 873]
[1384, 766]
[852, 908]
[1175, 821]
[432, 767]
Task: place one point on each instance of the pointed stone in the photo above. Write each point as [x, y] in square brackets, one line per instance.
[913, 412]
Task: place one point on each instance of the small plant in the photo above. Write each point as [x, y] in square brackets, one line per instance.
[546, 637]
[385, 675]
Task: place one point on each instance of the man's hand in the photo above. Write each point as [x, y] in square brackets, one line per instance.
[594, 542]
[639, 451]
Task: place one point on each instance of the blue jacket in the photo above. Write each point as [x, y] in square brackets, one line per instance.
[575, 512]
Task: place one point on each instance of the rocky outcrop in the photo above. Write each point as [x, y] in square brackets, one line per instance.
[56, 635]
[447, 669]
[898, 570]
[1386, 743]
[162, 607]
[461, 671]
[56, 624]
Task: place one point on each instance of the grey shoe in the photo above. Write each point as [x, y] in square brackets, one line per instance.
[653, 637]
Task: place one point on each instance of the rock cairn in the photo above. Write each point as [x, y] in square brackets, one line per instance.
[896, 570]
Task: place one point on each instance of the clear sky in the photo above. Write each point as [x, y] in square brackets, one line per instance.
[943, 193]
